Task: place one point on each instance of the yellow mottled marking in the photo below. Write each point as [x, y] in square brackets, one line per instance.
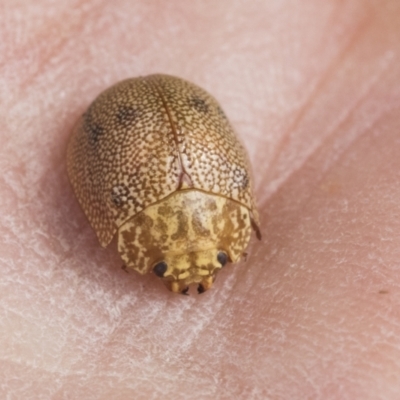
[191, 256]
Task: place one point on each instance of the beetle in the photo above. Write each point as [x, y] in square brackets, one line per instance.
[155, 160]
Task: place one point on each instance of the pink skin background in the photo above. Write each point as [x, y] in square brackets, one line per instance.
[313, 91]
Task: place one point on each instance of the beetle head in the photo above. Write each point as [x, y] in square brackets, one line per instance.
[178, 271]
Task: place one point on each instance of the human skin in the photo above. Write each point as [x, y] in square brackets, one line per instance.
[313, 90]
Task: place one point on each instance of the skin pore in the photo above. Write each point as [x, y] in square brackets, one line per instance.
[312, 90]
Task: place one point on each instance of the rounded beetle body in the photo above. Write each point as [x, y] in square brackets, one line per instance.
[155, 159]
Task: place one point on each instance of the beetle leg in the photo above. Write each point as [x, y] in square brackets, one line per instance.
[125, 268]
[185, 291]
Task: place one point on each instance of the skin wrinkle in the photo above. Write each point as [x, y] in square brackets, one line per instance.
[314, 155]
[318, 88]
[302, 317]
[323, 82]
[349, 114]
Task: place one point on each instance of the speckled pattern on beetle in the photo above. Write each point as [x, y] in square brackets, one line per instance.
[155, 159]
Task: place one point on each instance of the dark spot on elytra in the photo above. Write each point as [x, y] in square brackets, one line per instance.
[93, 129]
[245, 181]
[125, 115]
[221, 113]
[199, 104]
